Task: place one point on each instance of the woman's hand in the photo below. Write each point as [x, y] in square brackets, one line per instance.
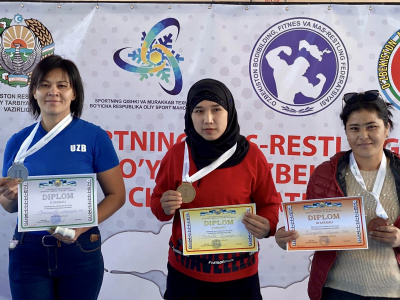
[9, 193]
[9, 188]
[386, 234]
[256, 225]
[66, 239]
[171, 201]
[282, 237]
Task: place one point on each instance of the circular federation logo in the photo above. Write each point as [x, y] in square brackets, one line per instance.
[388, 69]
[299, 66]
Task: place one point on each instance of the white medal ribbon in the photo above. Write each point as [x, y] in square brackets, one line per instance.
[24, 152]
[204, 171]
[380, 178]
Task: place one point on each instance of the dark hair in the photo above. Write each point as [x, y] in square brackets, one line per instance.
[379, 105]
[45, 66]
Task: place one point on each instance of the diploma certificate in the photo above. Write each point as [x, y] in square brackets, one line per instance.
[327, 224]
[217, 229]
[60, 200]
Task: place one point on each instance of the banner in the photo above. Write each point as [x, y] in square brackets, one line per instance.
[287, 66]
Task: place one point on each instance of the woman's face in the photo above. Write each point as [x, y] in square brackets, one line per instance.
[209, 119]
[366, 134]
[54, 94]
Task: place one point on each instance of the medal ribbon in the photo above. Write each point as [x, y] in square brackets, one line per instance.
[204, 171]
[24, 152]
[376, 191]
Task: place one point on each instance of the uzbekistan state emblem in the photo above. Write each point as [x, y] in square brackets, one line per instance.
[21, 48]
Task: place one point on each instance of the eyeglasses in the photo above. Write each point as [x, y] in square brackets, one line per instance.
[371, 95]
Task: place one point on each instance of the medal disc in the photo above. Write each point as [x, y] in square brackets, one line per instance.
[375, 222]
[187, 191]
[18, 171]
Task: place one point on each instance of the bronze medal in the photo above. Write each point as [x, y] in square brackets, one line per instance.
[375, 222]
[187, 191]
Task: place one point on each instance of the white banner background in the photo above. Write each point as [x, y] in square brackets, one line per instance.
[215, 41]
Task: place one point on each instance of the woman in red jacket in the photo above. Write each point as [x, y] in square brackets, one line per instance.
[360, 274]
[212, 131]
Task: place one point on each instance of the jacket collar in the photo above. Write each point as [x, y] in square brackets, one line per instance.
[341, 160]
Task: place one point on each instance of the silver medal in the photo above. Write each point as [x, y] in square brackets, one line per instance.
[18, 171]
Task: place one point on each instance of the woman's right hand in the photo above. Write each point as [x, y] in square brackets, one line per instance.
[9, 193]
[282, 237]
[171, 201]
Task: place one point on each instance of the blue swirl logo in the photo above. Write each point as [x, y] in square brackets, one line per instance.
[154, 57]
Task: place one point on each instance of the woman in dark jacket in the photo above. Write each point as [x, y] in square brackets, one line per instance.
[360, 274]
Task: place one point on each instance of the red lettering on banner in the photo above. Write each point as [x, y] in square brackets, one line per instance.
[298, 173]
[130, 164]
[292, 145]
[285, 174]
[135, 139]
[153, 168]
[326, 140]
[162, 139]
[145, 141]
[121, 135]
[251, 136]
[282, 173]
[279, 144]
[140, 189]
[309, 146]
[152, 142]
[394, 149]
[292, 196]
